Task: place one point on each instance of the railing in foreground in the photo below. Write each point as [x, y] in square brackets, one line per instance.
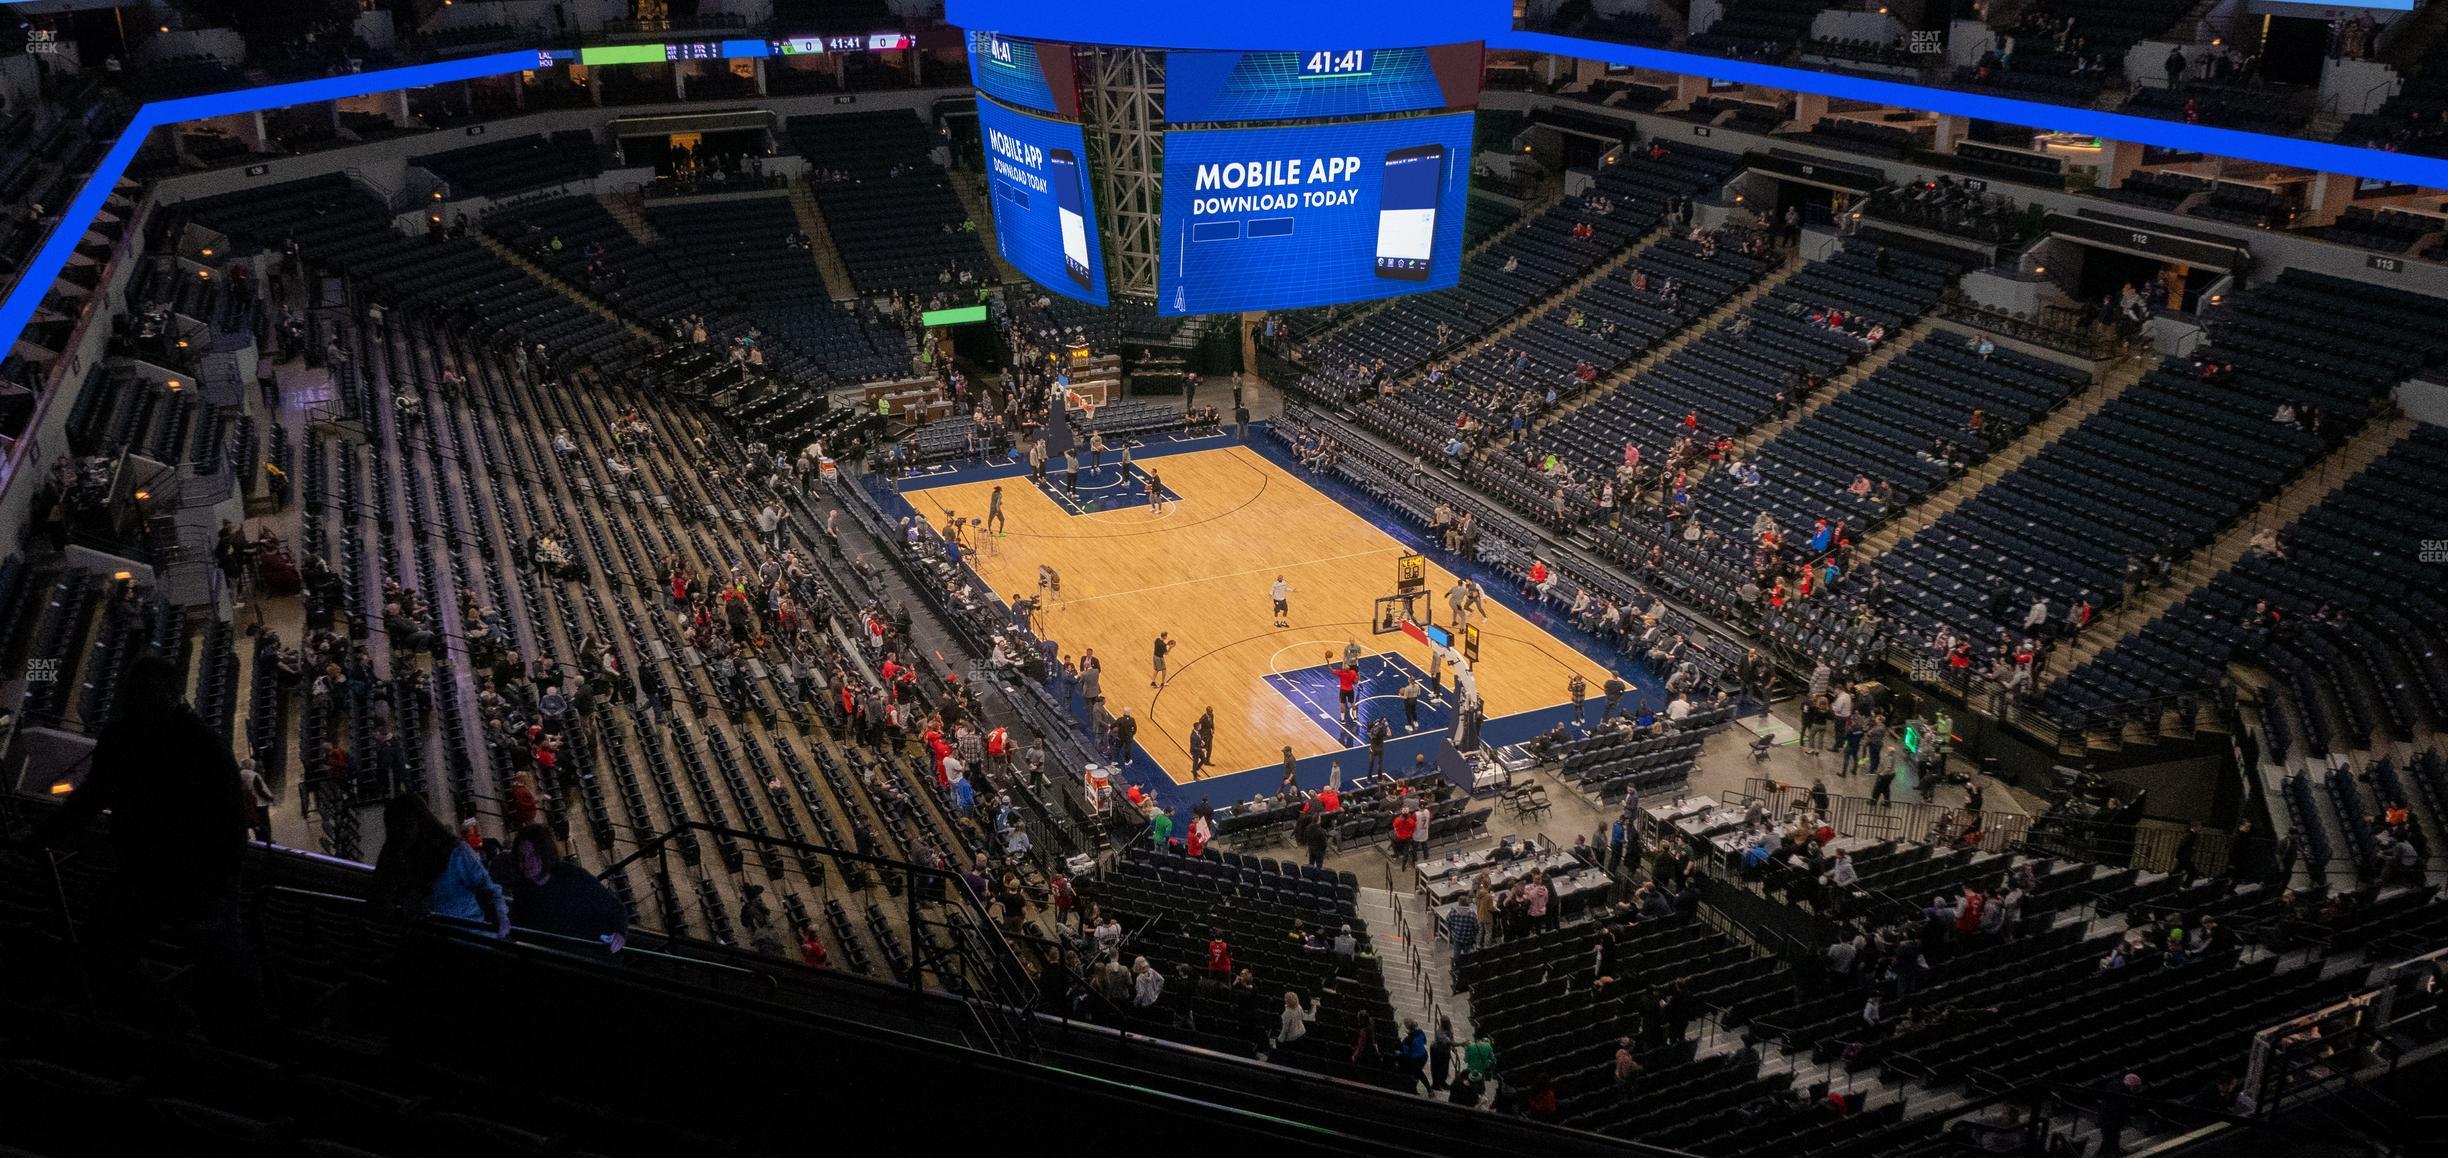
[2341, 1044]
[947, 933]
[1916, 820]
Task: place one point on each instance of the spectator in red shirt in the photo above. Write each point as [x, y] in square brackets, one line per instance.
[1539, 1104]
[523, 801]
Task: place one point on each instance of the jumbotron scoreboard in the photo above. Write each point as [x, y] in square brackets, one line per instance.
[1307, 174]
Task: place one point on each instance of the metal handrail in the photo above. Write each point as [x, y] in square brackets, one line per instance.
[2082, 344]
[1018, 997]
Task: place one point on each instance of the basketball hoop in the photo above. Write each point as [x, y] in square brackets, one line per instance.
[1398, 612]
[1074, 400]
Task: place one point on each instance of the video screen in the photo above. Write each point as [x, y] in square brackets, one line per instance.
[1044, 201]
[1319, 82]
[1024, 73]
[1278, 218]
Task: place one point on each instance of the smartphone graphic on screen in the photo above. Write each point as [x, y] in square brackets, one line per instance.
[1069, 206]
[1406, 212]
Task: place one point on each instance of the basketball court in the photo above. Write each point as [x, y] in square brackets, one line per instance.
[1200, 566]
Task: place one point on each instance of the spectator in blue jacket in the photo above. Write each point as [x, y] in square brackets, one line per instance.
[425, 871]
[1414, 1055]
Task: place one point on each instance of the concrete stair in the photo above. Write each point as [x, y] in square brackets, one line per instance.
[1859, 372]
[828, 257]
[632, 218]
[574, 293]
[1418, 968]
[2197, 570]
[1538, 309]
[2274, 771]
[2116, 381]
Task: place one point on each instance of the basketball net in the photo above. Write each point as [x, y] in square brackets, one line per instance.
[1074, 400]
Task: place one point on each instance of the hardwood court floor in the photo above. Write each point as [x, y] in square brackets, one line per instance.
[1201, 570]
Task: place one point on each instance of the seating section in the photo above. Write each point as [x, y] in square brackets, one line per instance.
[1854, 50]
[1174, 905]
[579, 240]
[2279, 110]
[1633, 27]
[498, 169]
[2168, 464]
[1766, 29]
[2056, 81]
[1549, 1023]
[1483, 217]
[2048, 1012]
[47, 143]
[2410, 121]
[740, 242]
[2352, 631]
[1729, 379]
[350, 230]
[2386, 230]
[1951, 207]
[1854, 135]
[1598, 331]
[1746, 115]
[1613, 762]
[2002, 164]
[2106, 29]
[449, 500]
[2157, 190]
[1534, 261]
[893, 216]
[1906, 427]
[2253, 205]
[1725, 383]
